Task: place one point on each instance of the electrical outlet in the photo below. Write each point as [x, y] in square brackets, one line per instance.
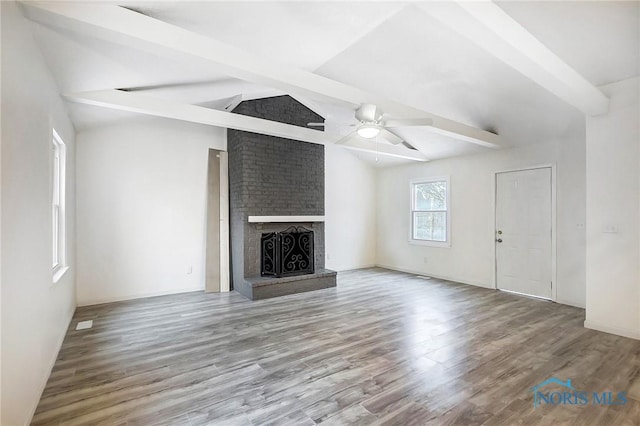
[189, 270]
[328, 256]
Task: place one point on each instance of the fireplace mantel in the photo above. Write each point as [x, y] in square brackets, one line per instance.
[285, 219]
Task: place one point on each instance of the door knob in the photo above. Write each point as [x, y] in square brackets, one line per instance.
[499, 240]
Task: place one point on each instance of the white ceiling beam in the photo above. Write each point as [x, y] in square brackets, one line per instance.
[142, 104]
[132, 29]
[138, 103]
[492, 29]
[371, 147]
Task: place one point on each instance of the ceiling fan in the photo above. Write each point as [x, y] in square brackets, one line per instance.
[372, 123]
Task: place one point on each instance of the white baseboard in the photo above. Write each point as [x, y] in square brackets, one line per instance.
[440, 277]
[477, 284]
[100, 301]
[354, 268]
[43, 384]
[632, 334]
[570, 303]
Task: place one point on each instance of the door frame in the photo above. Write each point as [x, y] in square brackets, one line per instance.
[554, 266]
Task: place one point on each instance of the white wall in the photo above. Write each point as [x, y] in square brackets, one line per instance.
[0, 222]
[35, 312]
[141, 208]
[470, 258]
[613, 201]
[350, 210]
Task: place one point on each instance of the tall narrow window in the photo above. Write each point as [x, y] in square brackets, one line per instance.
[58, 206]
[430, 224]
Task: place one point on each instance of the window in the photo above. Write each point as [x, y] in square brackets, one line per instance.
[430, 212]
[58, 206]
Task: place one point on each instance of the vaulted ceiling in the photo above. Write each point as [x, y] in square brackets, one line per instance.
[398, 50]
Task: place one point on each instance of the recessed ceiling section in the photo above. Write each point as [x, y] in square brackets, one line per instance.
[599, 39]
[300, 34]
[427, 65]
[150, 34]
[491, 29]
[435, 146]
[392, 51]
[83, 63]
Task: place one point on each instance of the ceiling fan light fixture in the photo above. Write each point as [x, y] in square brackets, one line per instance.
[369, 131]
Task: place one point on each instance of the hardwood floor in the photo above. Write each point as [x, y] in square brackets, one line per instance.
[382, 348]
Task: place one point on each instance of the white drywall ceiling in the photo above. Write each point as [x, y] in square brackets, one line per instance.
[395, 49]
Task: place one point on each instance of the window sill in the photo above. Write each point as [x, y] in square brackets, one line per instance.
[59, 273]
[425, 243]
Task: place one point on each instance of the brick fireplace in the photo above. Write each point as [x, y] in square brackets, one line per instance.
[275, 184]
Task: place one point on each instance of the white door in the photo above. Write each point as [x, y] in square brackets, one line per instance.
[523, 232]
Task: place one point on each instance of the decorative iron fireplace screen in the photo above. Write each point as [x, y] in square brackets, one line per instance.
[287, 253]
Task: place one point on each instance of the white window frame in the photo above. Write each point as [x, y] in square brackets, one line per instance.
[58, 206]
[412, 210]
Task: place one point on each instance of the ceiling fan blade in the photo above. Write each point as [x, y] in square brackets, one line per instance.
[414, 148]
[390, 137]
[398, 151]
[369, 113]
[407, 122]
[409, 146]
[345, 139]
[405, 144]
[315, 124]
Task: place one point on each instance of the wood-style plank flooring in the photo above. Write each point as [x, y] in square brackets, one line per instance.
[382, 348]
